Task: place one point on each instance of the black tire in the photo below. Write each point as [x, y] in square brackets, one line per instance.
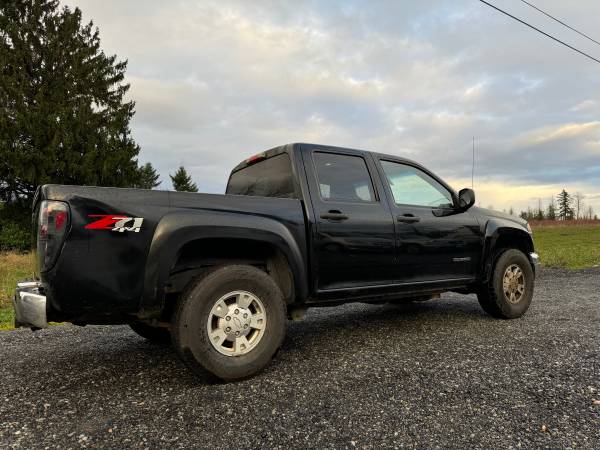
[491, 295]
[189, 323]
[153, 334]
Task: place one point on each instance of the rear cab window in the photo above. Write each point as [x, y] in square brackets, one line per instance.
[271, 177]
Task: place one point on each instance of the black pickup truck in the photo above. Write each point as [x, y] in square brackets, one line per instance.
[300, 225]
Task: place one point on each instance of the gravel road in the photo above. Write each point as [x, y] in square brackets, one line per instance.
[435, 374]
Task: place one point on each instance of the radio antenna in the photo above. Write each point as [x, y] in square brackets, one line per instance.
[473, 165]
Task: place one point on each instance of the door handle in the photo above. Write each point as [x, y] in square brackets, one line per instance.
[408, 219]
[334, 216]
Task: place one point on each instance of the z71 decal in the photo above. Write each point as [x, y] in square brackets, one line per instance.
[115, 223]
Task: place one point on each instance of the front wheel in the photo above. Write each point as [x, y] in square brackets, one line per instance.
[230, 323]
[508, 293]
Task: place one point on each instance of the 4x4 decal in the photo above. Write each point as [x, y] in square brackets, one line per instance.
[115, 223]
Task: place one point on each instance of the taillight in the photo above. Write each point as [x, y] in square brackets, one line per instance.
[53, 222]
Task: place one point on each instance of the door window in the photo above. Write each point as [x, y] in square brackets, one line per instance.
[343, 178]
[411, 186]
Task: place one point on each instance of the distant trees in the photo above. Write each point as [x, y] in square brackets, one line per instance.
[182, 181]
[148, 177]
[590, 213]
[578, 206]
[564, 207]
[539, 214]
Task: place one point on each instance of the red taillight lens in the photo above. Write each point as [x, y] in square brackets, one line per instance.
[60, 219]
[53, 221]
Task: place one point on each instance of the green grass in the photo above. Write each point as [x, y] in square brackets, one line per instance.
[574, 247]
[14, 267]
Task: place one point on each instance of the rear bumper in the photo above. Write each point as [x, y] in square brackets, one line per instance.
[30, 306]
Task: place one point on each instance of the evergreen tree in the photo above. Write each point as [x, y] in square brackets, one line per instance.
[63, 118]
[148, 178]
[539, 214]
[551, 211]
[182, 181]
[565, 211]
[511, 211]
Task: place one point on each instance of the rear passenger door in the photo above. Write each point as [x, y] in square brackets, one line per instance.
[353, 238]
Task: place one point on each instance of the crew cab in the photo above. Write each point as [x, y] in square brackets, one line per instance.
[301, 225]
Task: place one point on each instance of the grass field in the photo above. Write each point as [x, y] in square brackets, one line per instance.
[573, 246]
[14, 267]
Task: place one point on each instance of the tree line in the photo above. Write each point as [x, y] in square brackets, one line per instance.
[64, 115]
[564, 206]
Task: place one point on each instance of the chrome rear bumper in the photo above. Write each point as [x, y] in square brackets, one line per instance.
[30, 305]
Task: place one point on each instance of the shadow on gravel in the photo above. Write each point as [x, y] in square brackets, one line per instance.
[323, 324]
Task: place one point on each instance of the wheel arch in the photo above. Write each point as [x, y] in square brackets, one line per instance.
[503, 234]
[187, 240]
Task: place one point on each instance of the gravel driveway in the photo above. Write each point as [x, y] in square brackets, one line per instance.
[434, 374]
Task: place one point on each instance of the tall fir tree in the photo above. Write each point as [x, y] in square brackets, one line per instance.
[63, 117]
[551, 210]
[565, 211]
[182, 181]
[148, 177]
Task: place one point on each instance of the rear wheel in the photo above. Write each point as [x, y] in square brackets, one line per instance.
[153, 334]
[508, 293]
[230, 323]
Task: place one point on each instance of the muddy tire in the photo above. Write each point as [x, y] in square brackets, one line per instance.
[229, 323]
[508, 293]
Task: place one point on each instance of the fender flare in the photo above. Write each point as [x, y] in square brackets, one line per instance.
[496, 229]
[178, 228]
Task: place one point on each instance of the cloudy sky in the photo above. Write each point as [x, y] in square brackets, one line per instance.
[217, 81]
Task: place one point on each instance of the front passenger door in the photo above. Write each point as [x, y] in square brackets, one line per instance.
[434, 242]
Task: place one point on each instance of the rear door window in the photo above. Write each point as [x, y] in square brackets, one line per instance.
[343, 178]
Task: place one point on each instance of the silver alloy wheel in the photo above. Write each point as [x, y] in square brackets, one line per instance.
[513, 283]
[236, 323]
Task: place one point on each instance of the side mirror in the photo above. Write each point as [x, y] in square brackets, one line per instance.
[466, 199]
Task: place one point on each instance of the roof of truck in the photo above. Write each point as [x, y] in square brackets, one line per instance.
[304, 146]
